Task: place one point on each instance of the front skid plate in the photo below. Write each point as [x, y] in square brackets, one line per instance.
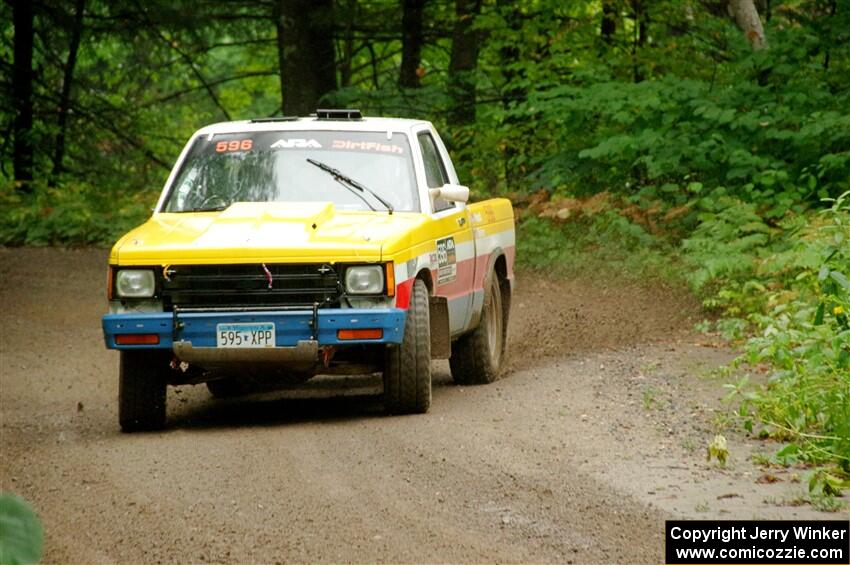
[302, 357]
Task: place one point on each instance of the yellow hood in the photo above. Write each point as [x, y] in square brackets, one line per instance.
[267, 232]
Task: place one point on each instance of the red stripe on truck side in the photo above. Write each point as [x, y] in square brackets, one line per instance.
[484, 260]
[469, 277]
[462, 283]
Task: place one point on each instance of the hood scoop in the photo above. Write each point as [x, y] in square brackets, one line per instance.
[309, 212]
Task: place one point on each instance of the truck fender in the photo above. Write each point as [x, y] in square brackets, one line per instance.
[438, 313]
[491, 272]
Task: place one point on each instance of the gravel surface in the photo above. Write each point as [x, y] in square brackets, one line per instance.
[595, 436]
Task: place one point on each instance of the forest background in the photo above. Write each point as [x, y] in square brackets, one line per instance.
[703, 142]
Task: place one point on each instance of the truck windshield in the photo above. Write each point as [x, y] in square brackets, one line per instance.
[274, 167]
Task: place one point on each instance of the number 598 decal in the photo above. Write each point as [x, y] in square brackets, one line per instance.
[234, 145]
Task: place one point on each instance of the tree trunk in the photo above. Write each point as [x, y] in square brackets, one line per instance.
[639, 39]
[833, 8]
[348, 45]
[512, 94]
[373, 59]
[747, 17]
[22, 79]
[608, 26]
[463, 62]
[67, 82]
[412, 39]
[305, 54]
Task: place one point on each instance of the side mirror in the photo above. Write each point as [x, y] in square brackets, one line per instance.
[451, 192]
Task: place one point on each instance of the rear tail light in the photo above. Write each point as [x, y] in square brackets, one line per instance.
[137, 339]
[360, 334]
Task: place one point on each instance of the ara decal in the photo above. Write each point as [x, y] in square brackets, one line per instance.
[296, 143]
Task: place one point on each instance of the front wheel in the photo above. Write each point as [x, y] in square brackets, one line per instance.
[141, 390]
[407, 371]
[477, 357]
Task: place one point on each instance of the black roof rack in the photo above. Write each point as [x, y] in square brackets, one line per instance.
[339, 114]
[275, 119]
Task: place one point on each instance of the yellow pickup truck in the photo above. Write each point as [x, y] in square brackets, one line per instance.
[286, 248]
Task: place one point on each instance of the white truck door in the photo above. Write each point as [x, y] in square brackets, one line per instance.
[455, 269]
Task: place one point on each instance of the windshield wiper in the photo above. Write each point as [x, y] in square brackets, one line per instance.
[210, 209]
[351, 184]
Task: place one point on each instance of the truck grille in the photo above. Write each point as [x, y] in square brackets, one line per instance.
[210, 286]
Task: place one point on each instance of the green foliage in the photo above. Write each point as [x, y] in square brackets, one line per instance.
[73, 214]
[21, 534]
[718, 450]
[683, 112]
[722, 247]
[606, 242]
[789, 286]
[681, 137]
[822, 482]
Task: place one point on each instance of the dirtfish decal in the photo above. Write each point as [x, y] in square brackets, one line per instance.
[366, 146]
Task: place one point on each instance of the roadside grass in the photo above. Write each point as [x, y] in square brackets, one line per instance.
[606, 244]
[782, 292]
[650, 398]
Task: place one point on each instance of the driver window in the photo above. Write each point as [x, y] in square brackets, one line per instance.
[435, 171]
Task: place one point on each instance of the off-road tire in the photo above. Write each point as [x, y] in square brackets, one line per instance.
[407, 371]
[477, 357]
[141, 390]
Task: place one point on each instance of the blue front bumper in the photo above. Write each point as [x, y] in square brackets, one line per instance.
[291, 326]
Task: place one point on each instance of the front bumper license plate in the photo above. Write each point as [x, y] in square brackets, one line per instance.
[245, 335]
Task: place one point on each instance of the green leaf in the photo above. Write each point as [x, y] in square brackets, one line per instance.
[840, 279]
[819, 314]
[21, 535]
[718, 449]
[812, 182]
[788, 455]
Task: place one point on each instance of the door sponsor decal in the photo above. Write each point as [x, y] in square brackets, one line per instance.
[446, 260]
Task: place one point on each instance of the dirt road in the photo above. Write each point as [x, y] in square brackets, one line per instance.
[578, 455]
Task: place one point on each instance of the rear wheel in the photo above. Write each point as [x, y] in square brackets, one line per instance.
[141, 390]
[407, 372]
[477, 357]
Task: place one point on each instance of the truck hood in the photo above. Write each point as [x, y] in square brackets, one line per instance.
[264, 232]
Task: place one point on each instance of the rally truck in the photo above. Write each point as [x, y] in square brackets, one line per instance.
[285, 248]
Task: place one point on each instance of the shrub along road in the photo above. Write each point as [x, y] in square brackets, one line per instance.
[594, 437]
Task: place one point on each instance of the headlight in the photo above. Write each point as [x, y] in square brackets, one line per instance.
[134, 283]
[365, 280]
